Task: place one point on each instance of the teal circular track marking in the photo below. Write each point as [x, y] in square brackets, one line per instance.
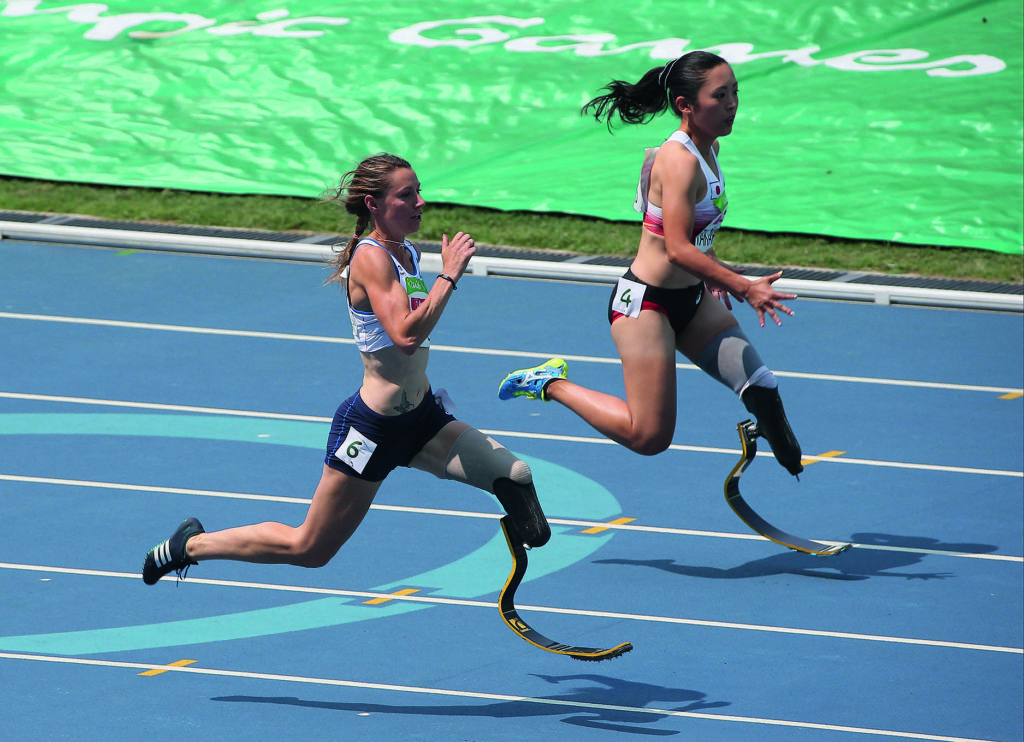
[565, 493]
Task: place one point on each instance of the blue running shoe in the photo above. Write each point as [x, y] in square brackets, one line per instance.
[170, 556]
[531, 382]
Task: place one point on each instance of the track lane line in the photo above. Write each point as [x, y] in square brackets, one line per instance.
[437, 600]
[481, 351]
[604, 526]
[24, 396]
[478, 695]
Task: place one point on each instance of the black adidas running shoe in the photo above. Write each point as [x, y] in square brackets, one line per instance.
[169, 556]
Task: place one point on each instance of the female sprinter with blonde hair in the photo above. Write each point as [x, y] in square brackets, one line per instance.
[395, 418]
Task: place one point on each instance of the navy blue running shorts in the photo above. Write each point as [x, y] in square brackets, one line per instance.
[368, 445]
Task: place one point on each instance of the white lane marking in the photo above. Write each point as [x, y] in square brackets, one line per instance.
[505, 698]
[489, 431]
[479, 351]
[674, 620]
[471, 514]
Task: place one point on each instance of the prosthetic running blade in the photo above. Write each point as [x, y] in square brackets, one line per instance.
[748, 432]
[518, 625]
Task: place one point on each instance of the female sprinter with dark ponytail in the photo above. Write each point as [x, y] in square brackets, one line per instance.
[661, 304]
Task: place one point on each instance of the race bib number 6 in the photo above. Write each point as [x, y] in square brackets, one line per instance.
[356, 450]
[629, 296]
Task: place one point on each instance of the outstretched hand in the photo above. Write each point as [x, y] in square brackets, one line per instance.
[455, 254]
[721, 293]
[765, 300]
[718, 290]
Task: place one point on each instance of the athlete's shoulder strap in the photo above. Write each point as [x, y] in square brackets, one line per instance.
[398, 266]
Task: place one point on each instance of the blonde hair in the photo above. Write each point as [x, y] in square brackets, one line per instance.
[371, 177]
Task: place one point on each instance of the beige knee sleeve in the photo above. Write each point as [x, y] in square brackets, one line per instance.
[479, 460]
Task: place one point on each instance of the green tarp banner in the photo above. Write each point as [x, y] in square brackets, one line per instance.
[894, 120]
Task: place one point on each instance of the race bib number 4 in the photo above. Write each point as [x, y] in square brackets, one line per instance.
[356, 450]
[629, 297]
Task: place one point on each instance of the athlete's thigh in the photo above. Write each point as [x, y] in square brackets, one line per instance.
[646, 346]
[467, 455]
[339, 505]
[712, 318]
[433, 457]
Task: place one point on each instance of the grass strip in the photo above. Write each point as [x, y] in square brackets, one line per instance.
[582, 235]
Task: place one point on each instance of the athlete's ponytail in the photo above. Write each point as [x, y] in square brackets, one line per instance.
[655, 92]
[634, 103]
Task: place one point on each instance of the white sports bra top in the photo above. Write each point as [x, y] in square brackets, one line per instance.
[708, 214]
[367, 330]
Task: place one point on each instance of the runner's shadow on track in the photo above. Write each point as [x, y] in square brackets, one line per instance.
[599, 689]
[854, 564]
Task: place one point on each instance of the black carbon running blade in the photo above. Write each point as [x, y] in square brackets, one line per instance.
[506, 602]
[748, 432]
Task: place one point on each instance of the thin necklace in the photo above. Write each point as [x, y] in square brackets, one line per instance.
[390, 242]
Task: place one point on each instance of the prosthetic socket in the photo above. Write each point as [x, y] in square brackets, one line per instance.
[482, 462]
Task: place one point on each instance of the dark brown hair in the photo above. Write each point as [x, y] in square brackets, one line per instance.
[639, 102]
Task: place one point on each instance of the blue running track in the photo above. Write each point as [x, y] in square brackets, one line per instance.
[138, 388]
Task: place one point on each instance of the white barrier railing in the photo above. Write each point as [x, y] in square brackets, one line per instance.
[489, 266]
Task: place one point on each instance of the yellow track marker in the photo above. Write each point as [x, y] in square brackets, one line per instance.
[1012, 395]
[179, 663]
[404, 591]
[616, 522]
[826, 455]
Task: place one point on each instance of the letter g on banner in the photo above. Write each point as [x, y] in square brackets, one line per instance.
[413, 35]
